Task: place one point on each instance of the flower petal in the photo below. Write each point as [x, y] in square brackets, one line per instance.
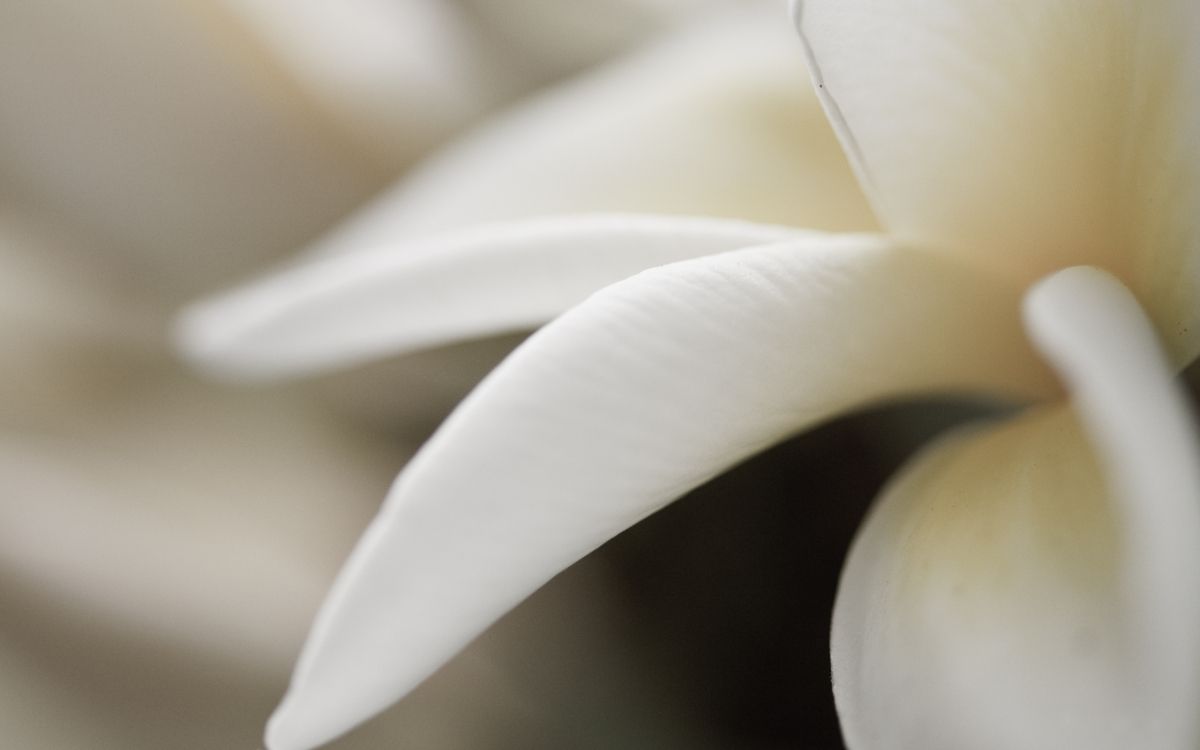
[1034, 585]
[715, 120]
[1031, 136]
[467, 284]
[613, 410]
[1141, 424]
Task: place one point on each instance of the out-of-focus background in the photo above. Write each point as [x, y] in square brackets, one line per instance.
[164, 540]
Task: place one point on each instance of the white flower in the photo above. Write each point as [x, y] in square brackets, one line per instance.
[150, 150]
[1034, 584]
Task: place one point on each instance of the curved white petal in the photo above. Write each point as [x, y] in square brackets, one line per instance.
[715, 120]
[439, 290]
[1036, 585]
[1030, 136]
[135, 558]
[646, 390]
[1142, 427]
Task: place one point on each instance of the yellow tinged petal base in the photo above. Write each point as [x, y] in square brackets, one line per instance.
[1037, 585]
[981, 600]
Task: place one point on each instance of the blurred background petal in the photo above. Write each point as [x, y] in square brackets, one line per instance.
[164, 541]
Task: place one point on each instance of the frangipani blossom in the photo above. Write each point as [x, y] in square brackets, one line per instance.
[1032, 584]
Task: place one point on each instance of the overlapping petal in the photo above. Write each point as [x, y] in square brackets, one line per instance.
[1142, 426]
[467, 284]
[1031, 136]
[646, 390]
[714, 120]
[1036, 585]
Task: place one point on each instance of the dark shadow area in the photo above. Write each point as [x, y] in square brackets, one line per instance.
[732, 587]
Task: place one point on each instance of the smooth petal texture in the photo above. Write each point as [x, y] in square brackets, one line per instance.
[1142, 425]
[1030, 137]
[1034, 585]
[470, 284]
[646, 390]
[715, 120]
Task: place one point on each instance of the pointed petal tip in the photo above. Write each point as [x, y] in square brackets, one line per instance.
[273, 738]
[406, 295]
[192, 335]
[202, 337]
[284, 731]
[228, 337]
[561, 463]
[320, 708]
